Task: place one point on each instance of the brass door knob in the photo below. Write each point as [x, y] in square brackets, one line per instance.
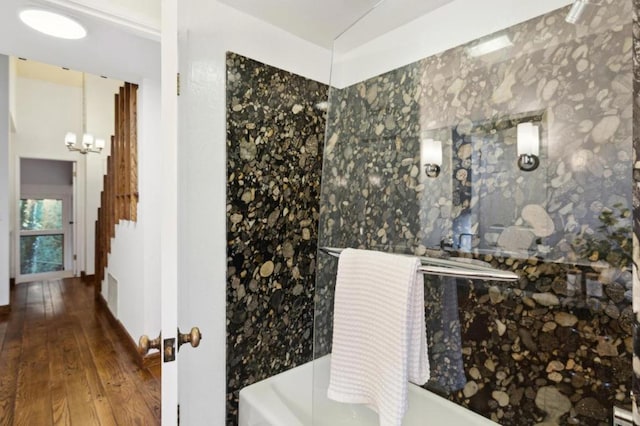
[193, 337]
[145, 344]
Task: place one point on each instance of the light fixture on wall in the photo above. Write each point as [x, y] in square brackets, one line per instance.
[89, 144]
[431, 154]
[528, 146]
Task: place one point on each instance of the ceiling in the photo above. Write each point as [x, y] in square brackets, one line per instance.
[123, 35]
[119, 44]
[321, 21]
[138, 16]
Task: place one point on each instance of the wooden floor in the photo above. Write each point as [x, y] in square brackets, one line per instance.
[62, 363]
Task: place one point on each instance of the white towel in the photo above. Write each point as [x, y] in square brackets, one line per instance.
[379, 337]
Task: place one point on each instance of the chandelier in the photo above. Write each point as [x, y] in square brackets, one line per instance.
[89, 144]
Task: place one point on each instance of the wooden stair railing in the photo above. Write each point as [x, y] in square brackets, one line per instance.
[119, 197]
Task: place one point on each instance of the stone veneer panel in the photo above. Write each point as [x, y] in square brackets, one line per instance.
[636, 206]
[275, 136]
[556, 346]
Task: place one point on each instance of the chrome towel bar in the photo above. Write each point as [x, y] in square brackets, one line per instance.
[450, 268]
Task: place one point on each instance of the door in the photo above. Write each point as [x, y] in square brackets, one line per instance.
[169, 222]
[193, 230]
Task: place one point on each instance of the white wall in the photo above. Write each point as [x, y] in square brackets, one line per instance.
[44, 113]
[135, 251]
[12, 93]
[451, 25]
[4, 180]
[214, 29]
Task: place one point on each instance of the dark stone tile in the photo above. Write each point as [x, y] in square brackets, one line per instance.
[275, 138]
[564, 329]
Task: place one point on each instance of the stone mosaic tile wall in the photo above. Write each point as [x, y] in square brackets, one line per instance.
[275, 137]
[636, 206]
[555, 347]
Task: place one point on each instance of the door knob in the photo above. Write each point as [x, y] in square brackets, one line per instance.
[145, 344]
[193, 337]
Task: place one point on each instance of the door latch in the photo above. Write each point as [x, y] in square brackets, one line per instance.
[169, 350]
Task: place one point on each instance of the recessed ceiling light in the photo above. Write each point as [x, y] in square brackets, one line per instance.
[53, 24]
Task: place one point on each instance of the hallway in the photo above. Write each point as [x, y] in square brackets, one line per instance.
[63, 363]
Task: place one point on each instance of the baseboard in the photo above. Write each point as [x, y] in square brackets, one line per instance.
[143, 361]
[5, 310]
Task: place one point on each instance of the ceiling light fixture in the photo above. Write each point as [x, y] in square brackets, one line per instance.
[88, 143]
[490, 46]
[53, 24]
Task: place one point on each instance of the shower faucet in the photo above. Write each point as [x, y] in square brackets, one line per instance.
[466, 234]
[448, 243]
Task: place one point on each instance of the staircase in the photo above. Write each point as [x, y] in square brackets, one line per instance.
[119, 197]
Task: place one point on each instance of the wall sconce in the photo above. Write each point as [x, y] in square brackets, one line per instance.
[431, 157]
[528, 145]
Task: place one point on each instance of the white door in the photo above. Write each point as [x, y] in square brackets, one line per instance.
[169, 224]
[194, 219]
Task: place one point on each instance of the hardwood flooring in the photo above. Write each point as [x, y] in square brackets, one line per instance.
[62, 362]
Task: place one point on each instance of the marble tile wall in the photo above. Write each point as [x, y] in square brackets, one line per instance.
[275, 134]
[636, 206]
[555, 347]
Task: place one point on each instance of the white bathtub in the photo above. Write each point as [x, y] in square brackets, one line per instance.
[286, 400]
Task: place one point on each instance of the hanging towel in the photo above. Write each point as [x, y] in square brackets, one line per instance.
[379, 337]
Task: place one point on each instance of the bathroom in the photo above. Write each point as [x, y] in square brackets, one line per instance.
[312, 165]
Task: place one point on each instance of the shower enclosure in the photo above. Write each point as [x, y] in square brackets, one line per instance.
[501, 132]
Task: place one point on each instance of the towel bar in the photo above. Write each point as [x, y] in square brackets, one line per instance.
[450, 268]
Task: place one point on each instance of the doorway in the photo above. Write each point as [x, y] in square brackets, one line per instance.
[45, 236]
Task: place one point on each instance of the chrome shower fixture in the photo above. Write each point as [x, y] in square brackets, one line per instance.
[576, 11]
[432, 170]
[579, 9]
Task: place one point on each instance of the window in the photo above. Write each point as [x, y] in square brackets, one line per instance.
[42, 237]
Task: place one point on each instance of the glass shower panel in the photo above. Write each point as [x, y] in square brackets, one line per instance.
[529, 116]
